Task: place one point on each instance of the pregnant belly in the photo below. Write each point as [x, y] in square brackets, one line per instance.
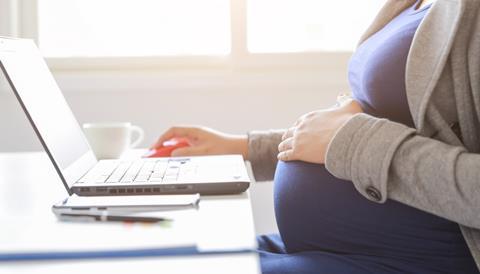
[316, 211]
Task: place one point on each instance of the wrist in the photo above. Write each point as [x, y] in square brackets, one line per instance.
[351, 107]
[240, 145]
[355, 107]
[348, 103]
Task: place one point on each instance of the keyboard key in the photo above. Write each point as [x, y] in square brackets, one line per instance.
[155, 171]
[127, 179]
[155, 180]
[160, 167]
[156, 176]
[101, 179]
[132, 172]
[119, 172]
[141, 178]
[147, 169]
[169, 179]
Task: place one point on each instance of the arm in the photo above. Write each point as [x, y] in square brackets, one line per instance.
[262, 152]
[259, 147]
[377, 154]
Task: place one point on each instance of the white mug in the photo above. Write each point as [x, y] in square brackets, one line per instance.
[111, 140]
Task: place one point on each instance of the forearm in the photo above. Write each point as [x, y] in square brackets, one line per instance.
[425, 173]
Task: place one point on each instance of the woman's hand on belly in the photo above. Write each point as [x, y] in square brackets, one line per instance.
[309, 137]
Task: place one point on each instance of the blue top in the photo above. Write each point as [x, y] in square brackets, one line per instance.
[376, 72]
[322, 215]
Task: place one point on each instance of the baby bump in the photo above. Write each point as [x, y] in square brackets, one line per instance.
[316, 211]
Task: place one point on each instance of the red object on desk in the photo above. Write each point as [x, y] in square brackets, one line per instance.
[167, 148]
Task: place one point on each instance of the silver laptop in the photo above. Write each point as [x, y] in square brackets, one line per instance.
[81, 173]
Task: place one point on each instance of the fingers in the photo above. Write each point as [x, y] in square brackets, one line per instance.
[185, 132]
[287, 155]
[286, 144]
[188, 151]
[286, 151]
[289, 133]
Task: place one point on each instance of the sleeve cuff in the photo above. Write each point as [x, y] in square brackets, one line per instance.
[362, 150]
[262, 152]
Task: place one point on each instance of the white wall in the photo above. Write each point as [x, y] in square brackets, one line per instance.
[232, 101]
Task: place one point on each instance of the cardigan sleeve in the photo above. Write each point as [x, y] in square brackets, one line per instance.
[262, 152]
[385, 159]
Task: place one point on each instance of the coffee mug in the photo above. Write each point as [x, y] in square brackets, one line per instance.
[111, 140]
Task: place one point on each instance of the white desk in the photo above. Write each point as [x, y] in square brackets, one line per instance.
[29, 185]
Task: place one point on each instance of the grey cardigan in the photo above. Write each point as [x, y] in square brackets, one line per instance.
[434, 167]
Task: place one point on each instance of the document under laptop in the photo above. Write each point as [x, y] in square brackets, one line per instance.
[81, 173]
[23, 241]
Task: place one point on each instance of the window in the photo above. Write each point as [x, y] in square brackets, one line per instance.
[236, 30]
[96, 28]
[307, 25]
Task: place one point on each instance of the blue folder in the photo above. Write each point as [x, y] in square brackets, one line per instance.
[161, 252]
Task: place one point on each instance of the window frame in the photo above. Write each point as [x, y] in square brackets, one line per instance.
[23, 18]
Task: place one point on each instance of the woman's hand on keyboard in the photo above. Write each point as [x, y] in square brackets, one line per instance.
[204, 141]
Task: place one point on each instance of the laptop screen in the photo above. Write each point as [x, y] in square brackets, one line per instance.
[46, 108]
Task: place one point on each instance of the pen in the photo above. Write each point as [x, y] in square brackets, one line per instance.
[114, 218]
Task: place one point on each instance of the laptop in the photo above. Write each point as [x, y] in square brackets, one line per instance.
[81, 173]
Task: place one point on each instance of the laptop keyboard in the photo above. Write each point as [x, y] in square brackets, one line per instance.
[140, 171]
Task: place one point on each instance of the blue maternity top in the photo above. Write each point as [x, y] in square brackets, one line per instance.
[326, 226]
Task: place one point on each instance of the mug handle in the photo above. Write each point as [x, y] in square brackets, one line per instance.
[140, 134]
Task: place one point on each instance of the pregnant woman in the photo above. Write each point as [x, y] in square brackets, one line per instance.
[388, 179]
